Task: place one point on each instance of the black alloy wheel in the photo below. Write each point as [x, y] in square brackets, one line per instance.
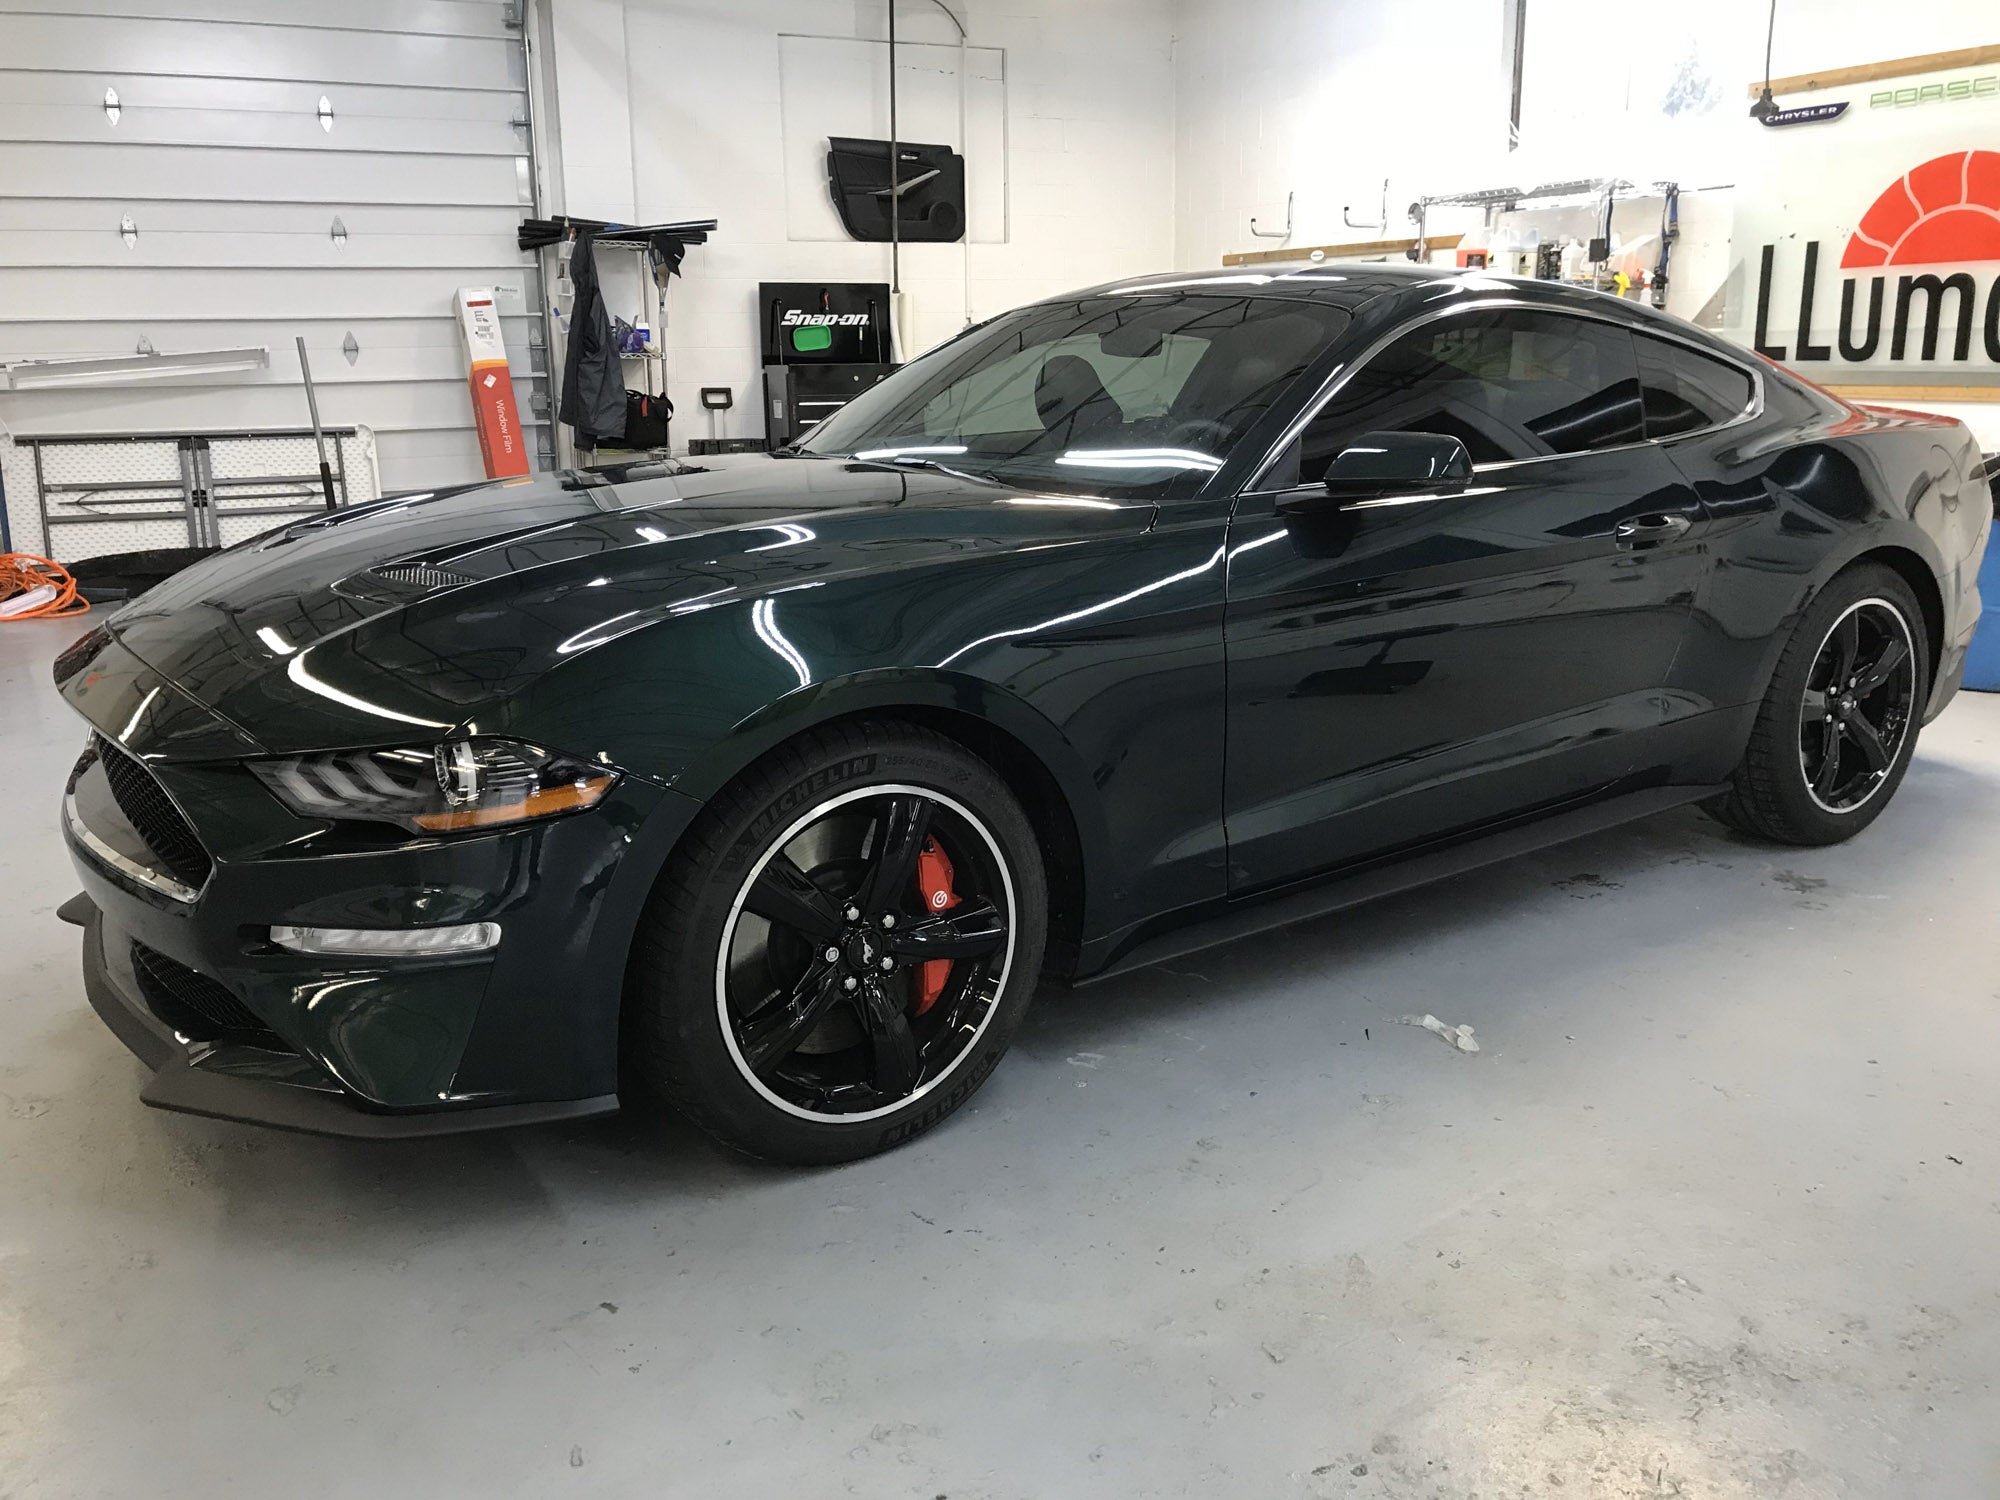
[842, 945]
[1838, 726]
[1859, 704]
[846, 985]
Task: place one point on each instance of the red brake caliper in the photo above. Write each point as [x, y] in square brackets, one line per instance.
[934, 877]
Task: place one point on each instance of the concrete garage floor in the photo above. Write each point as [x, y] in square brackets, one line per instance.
[1712, 1214]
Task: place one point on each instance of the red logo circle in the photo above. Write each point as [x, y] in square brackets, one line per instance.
[1945, 211]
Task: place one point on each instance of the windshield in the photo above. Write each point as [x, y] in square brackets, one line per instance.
[1133, 395]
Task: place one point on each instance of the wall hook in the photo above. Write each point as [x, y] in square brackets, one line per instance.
[1275, 234]
[1381, 213]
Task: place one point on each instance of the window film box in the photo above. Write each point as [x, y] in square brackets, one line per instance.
[501, 444]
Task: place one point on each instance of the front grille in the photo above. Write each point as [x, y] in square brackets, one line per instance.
[196, 1006]
[152, 813]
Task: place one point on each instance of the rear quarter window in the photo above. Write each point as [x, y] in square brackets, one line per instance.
[1684, 391]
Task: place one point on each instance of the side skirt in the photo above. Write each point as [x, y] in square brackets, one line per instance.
[1250, 915]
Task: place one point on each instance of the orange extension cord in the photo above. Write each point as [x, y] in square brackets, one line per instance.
[21, 572]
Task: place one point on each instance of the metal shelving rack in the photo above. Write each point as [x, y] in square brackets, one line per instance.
[660, 248]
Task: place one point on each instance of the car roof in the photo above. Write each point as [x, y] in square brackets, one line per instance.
[1323, 281]
[1343, 283]
[1353, 284]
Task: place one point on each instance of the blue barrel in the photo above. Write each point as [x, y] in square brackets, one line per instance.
[1982, 662]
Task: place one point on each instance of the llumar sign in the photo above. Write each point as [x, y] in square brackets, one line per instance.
[1942, 220]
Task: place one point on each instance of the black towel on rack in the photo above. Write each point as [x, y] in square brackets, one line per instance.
[593, 387]
[535, 233]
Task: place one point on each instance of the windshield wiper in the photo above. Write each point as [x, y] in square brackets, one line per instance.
[902, 461]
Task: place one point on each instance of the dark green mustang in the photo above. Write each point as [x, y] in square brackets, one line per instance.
[1127, 622]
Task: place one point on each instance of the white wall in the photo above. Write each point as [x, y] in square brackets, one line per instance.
[1596, 100]
[672, 109]
[1813, 34]
[1146, 133]
[1324, 101]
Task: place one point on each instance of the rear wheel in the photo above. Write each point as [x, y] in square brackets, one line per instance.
[1839, 723]
[840, 952]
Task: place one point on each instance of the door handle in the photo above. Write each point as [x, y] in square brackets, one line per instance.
[1650, 531]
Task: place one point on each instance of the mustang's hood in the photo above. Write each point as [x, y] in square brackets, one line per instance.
[405, 617]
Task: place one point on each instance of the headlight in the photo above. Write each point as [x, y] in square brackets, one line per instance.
[461, 784]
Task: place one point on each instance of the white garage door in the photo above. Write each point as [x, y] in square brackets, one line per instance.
[179, 175]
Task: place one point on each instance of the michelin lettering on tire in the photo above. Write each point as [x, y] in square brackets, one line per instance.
[795, 795]
[917, 1124]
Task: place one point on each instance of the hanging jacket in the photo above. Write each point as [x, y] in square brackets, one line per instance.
[593, 386]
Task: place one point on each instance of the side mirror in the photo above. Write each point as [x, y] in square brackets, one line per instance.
[1381, 464]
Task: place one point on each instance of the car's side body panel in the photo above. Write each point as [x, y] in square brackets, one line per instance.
[1401, 673]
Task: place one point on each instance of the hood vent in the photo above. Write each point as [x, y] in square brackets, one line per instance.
[419, 575]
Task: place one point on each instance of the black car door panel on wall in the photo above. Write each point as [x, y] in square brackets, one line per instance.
[1405, 667]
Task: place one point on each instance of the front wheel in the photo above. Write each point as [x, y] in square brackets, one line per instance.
[839, 953]
[1839, 723]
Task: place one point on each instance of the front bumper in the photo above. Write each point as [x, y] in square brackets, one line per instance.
[386, 1048]
[262, 1087]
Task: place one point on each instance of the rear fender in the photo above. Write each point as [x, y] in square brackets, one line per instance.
[1790, 518]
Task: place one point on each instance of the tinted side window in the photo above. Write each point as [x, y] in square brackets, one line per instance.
[1685, 391]
[1508, 384]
